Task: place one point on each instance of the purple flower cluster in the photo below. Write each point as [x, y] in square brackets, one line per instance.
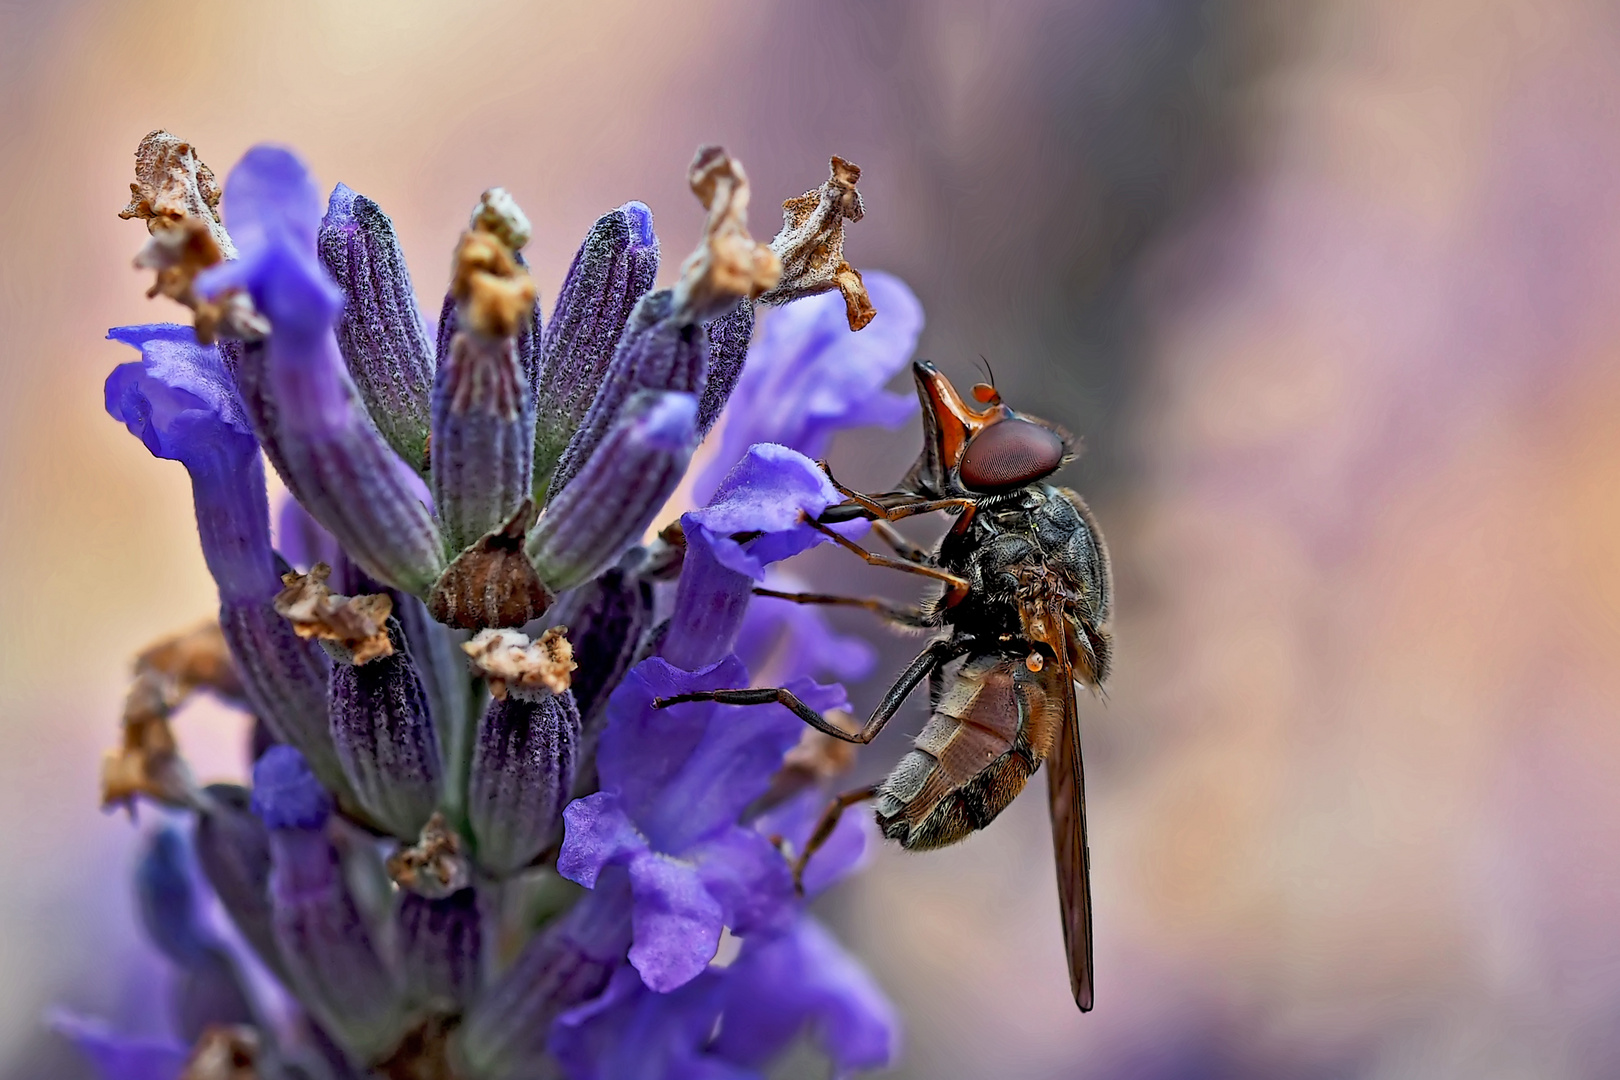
[471, 847]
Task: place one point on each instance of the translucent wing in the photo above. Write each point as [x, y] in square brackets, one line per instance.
[1066, 784]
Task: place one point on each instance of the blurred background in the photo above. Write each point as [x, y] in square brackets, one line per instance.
[1328, 290]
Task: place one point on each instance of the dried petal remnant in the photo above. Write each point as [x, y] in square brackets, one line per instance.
[728, 263]
[359, 624]
[178, 198]
[811, 245]
[148, 761]
[509, 660]
[224, 1053]
[492, 583]
[494, 292]
[435, 865]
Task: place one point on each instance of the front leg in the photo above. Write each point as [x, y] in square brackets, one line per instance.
[935, 656]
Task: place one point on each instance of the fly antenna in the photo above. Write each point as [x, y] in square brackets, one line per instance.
[989, 373]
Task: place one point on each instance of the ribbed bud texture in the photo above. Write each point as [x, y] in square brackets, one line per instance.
[606, 619]
[483, 436]
[380, 333]
[729, 337]
[285, 677]
[385, 738]
[441, 948]
[521, 775]
[627, 479]
[660, 350]
[614, 267]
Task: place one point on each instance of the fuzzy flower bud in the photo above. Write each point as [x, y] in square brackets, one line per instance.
[381, 334]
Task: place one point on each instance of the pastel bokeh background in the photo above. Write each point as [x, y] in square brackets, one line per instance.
[1330, 291]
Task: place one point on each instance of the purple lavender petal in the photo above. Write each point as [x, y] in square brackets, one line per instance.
[122, 1057]
[381, 334]
[286, 794]
[729, 337]
[795, 640]
[809, 376]
[659, 351]
[304, 406]
[179, 400]
[781, 984]
[633, 1033]
[711, 601]
[587, 527]
[677, 921]
[614, 267]
[522, 773]
[440, 948]
[483, 437]
[847, 850]
[745, 872]
[599, 835]
[302, 540]
[770, 490]
[385, 738]
[642, 750]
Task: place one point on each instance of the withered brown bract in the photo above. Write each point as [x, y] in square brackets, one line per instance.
[1022, 613]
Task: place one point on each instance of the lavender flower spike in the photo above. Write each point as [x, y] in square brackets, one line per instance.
[307, 411]
[591, 523]
[383, 339]
[614, 267]
[483, 415]
[179, 401]
[331, 960]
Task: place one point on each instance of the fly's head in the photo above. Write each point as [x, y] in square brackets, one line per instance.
[979, 447]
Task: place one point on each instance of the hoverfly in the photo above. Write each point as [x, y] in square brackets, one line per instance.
[1023, 607]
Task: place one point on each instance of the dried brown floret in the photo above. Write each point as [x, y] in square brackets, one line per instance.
[728, 263]
[178, 198]
[508, 660]
[224, 1053]
[492, 583]
[811, 245]
[359, 623]
[147, 761]
[494, 293]
[434, 866]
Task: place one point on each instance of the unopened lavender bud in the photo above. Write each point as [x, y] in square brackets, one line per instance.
[436, 651]
[441, 948]
[385, 737]
[521, 776]
[381, 334]
[327, 950]
[286, 681]
[209, 990]
[483, 436]
[233, 852]
[612, 270]
[729, 338]
[614, 496]
[660, 350]
[303, 404]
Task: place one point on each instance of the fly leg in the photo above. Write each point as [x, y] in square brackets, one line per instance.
[824, 829]
[956, 586]
[899, 544]
[936, 655]
[899, 614]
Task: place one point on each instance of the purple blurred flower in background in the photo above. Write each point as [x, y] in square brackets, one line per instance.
[453, 658]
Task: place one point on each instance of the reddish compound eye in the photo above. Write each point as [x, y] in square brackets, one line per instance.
[1010, 454]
